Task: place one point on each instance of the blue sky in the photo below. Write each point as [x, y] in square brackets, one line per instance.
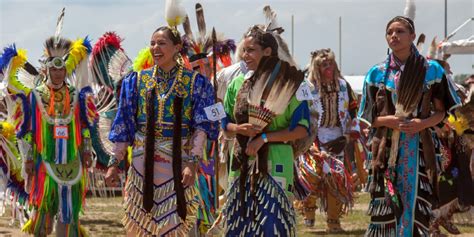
[28, 22]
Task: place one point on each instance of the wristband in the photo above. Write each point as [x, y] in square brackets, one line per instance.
[264, 137]
[191, 159]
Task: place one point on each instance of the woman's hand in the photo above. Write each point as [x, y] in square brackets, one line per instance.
[390, 121]
[112, 178]
[254, 146]
[246, 129]
[189, 173]
[412, 126]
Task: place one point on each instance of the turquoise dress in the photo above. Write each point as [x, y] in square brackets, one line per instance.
[401, 206]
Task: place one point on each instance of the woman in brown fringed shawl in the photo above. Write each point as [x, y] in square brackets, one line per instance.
[161, 115]
[258, 201]
[401, 189]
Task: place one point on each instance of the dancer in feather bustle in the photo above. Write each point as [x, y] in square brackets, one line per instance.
[453, 194]
[12, 183]
[207, 53]
[161, 114]
[336, 104]
[406, 104]
[262, 165]
[54, 122]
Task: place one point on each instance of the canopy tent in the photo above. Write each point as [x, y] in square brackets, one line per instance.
[464, 46]
[356, 82]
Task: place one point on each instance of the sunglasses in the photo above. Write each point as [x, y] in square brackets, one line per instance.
[56, 62]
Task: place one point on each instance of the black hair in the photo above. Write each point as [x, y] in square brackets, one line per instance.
[264, 39]
[405, 21]
[173, 35]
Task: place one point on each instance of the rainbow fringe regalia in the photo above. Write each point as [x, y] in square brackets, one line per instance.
[58, 186]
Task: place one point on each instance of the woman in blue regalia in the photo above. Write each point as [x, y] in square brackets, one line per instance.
[401, 191]
[161, 115]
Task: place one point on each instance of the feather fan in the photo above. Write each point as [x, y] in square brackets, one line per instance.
[275, 82]
[409, 94]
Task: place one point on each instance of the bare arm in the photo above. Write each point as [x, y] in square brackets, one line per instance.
[277, 136]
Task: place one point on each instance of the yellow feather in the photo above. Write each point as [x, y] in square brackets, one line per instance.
[77, 53]
[459, 123]
[7, 130]
[143, 60]
[17, 63]
[176, 21]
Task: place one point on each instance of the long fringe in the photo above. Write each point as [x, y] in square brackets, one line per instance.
[275, 215]
[149, 150]
[146, 224]
[177, 175]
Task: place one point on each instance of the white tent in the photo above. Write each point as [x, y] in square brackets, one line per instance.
[356, 82]
[465, 46]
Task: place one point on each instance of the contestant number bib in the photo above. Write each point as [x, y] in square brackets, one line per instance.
[61, 132]
[304, 92]
[215, 112]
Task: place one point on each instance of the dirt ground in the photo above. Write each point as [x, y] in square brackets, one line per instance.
[102, 217]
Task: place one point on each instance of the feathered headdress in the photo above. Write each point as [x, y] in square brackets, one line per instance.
[317, 58]
[61, 52]
[410, 9]
[174, 13]
[273, 27]
[197, 50]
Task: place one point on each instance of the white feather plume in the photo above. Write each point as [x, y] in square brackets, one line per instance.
[119, 65]
[59, 26]
[270, 18]
[81, 75]
[26, 78]
[175, 13]
[410, 9]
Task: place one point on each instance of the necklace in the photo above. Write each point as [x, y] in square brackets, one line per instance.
[162, 99]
